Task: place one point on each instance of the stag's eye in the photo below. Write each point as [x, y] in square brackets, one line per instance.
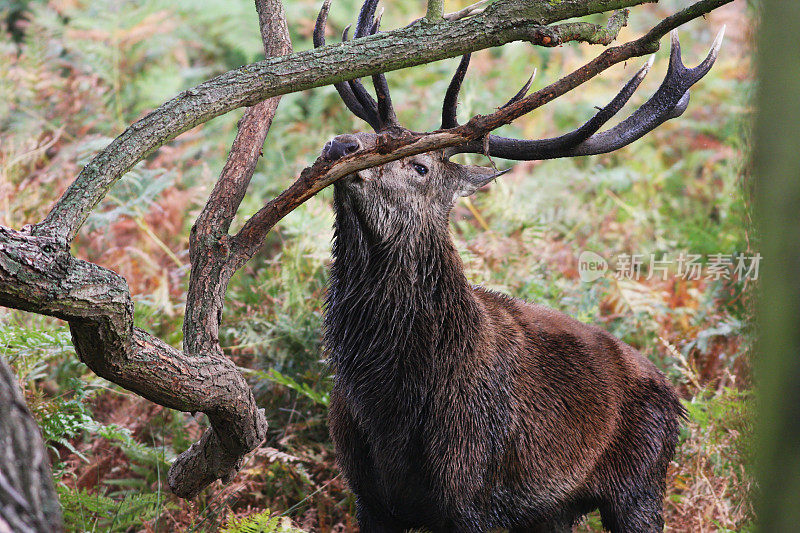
[420, 168]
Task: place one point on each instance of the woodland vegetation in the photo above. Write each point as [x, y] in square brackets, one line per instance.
[76, 73]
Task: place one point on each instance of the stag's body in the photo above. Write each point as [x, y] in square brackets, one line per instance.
[456, 408]
[459, 409]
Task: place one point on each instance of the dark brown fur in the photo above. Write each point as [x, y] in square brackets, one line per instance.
[456, 408]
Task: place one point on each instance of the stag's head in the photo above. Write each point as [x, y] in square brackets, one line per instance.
[425, 186]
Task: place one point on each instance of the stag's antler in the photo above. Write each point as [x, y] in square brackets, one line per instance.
[380, 115]
[450, 104]
[669, 101]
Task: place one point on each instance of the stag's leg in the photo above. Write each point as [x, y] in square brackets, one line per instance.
[371, 522]
[640, 513]
[555, 526]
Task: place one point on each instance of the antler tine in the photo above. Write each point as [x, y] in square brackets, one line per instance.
[365, 18]
[694, 74]
[450, 104]
[551, 148]
[522, 92]
[343, 88]
[669, 101]
[363, 26]
[386, 114]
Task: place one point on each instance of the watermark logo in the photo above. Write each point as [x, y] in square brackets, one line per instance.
[637, 267]
[591, 266]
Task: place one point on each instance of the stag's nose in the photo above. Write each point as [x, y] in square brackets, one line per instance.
[340, 146]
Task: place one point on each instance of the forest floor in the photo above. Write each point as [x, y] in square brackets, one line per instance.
[75, 73]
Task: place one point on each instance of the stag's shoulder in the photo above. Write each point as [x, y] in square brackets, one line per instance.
[551, 331]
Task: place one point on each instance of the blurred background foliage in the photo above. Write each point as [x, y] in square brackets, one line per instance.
[74, 73]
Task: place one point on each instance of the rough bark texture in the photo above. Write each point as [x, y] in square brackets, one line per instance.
[435, 10]
[38, 274]
[211, 270]
[27, 497]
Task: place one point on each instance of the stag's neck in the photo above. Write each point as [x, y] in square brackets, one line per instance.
[399, 309]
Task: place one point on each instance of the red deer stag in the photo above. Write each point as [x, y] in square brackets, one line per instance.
[456, 408]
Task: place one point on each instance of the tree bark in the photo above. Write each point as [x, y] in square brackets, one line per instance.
[212, 268]
[28, 500]
[435, 11]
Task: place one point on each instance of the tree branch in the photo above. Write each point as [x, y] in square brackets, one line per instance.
[589, 33]
[391, 147]
[210, 272]
[435, 11]
[474, 9]
[38, 275]
[227, 195]
[502, 22]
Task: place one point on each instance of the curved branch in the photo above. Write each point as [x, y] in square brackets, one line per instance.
[586, 32]
[392, 145]
[469, 11]
[502, 22]
[38, 275]
[210, 273]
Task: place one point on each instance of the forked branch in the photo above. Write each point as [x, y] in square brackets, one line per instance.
[210, 274]
[38, 274]
[397, 145]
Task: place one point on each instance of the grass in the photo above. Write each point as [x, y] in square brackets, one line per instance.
[76, 72]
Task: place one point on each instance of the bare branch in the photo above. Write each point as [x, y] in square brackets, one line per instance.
[586, 32]
[474, 9]
[391, 147]
[37, 274]
[204, 462]
[502, 22]
[229, 190]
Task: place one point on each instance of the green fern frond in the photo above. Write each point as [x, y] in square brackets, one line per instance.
[260, 523]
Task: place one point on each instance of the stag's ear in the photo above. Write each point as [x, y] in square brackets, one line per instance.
[473, 178]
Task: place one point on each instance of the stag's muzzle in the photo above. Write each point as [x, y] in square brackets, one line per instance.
[340, 146]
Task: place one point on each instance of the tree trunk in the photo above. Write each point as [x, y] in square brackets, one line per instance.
[27, 497]
[777, 171]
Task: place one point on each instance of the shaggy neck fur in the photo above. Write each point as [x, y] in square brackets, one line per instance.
[399, 307]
